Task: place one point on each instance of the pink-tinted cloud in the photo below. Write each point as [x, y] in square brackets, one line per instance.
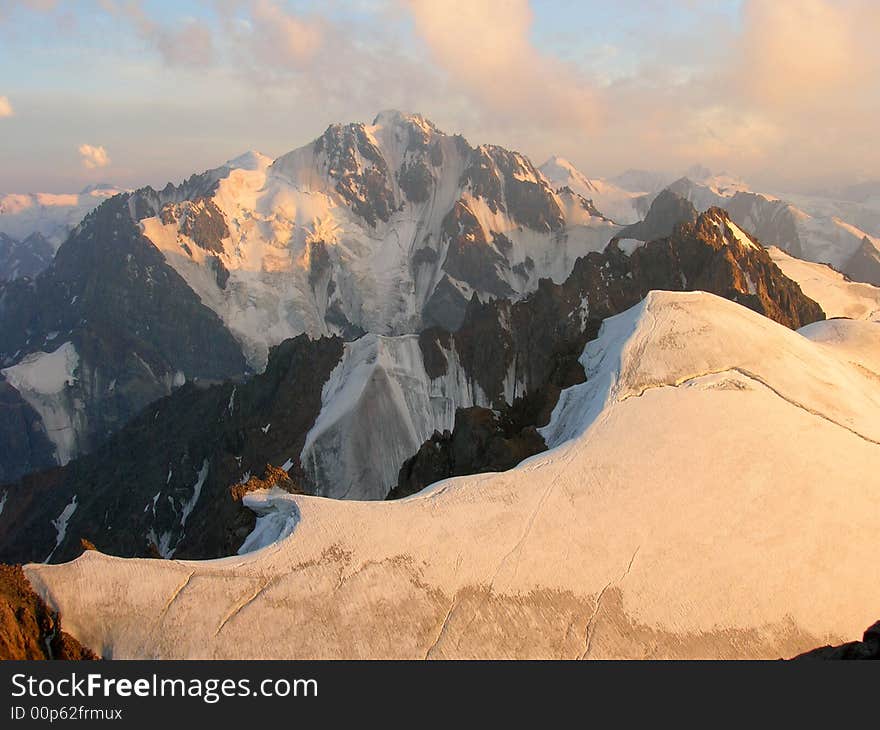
[93, 157]
[282, 37]
[486, 50]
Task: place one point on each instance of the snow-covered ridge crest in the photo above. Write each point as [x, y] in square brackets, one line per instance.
[663, 342]
[703, 514]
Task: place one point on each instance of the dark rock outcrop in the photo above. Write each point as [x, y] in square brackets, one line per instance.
[666, 212]
[470, 258]
[28, 628]
[864, 265]
[359, 169]
[25, 258]
[200, 220]
[508, 181]
[482, 440]
[867, 648]
[23, 440]
[273, 476]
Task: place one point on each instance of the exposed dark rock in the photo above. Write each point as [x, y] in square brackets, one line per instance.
[416, 180]
[469, 257]
[433, 342]
[359, 169]
[666, 212]
[28, 628]
[178, 457]
[200, 220]
[445, 307]
[23, 440]
[273, 476]
[867, 648]
[436, 154]
[502, 243]
[864, 265]
[335, 317]
[425, 255]
[319, 261]
[482, 441]
[25, 258]
[221, 273]
[508, 181]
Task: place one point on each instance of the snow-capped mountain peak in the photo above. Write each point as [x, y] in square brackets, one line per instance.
[382, 227]
[250, 160]
[610, 199]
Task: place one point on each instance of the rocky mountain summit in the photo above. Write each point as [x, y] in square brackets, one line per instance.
[383, 228]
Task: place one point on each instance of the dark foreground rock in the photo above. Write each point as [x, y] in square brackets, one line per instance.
[28, 629]
[867, 648]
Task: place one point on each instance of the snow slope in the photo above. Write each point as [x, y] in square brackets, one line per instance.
[611, 200]
[381, 387]
[837, 295]
[714, 498]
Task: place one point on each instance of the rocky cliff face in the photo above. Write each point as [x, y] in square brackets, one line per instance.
[864, 264]
[29, 629]
[667, 210]
[25, 258]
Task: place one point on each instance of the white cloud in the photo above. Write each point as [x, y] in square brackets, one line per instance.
[93, 157]
[6, 109]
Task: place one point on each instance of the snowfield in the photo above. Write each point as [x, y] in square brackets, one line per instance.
[837, 296]
[710, 494]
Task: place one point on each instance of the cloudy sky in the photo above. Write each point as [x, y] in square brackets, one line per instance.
[785, 93]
